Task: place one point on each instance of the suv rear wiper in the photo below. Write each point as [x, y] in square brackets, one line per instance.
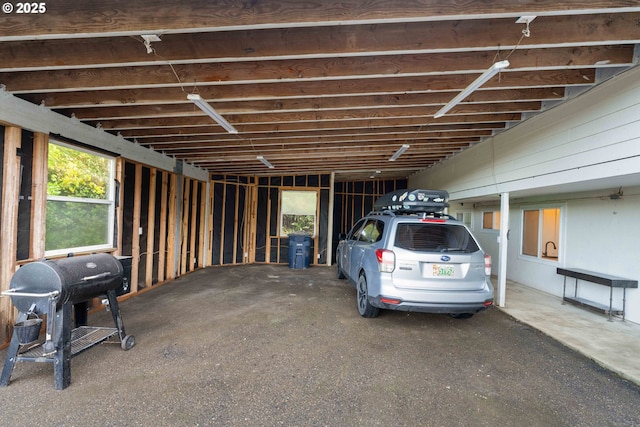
[453, 250]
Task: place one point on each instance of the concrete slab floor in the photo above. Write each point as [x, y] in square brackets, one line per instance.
[613, 344]
[264, 345]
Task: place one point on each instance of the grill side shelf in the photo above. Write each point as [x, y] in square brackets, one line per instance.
[82, 338]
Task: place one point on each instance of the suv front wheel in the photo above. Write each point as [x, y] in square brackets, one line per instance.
[364, 308]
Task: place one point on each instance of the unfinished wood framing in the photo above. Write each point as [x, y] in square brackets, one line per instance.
[250, 236]
[354, 199]
[162, 244]
[135, 234]
[186, 192]
[202, 226]
[193, 225]
[119, 205]
[8, 222]
[151, 222]
[171, 226]
[39, 195]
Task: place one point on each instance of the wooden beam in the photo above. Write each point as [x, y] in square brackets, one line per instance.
[309, 69]
[331, 117]
[184, 228]
[171, 227]
[315, 104]
[135, 234]
[202, 226]
[151, 224]
[338, 40]
[251, 209]
[162, 237]
[205, 134]
[120, 177]
[354, 126]
[39, 195]
[371, 140]
[193, 225]
[9, 223]
[327, 88]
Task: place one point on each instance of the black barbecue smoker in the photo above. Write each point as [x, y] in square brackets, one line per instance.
[53, 288]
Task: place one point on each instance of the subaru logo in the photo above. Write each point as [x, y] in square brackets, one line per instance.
[445, 258]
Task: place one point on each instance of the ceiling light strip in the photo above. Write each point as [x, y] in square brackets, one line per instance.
[265, 162]
[398, 153]
[204, 106]
[484, 77]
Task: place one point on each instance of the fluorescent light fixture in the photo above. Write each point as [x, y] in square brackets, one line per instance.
[398, 153]
[204, 106]
[484, 77]
[264, 161]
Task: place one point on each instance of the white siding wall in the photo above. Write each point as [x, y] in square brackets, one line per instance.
[593, 137]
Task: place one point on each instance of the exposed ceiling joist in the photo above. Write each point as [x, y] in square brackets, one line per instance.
[313, 87]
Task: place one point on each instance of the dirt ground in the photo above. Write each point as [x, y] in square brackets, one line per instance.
[265, 345]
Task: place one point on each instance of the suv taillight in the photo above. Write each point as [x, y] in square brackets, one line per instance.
[386, 260]
[487, 264]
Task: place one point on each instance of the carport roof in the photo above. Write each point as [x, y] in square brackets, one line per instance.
[313, 87]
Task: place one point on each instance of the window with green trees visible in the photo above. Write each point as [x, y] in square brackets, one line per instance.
[80, 200]
[298, 212]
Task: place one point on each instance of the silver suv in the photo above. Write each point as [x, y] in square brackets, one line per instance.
[407, 255]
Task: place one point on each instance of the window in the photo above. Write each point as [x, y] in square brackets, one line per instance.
[541, 233]
[491, 220]
[298, 212]
[465, 218]
[80, 200]
[372, 232]
[434, 238]
[354, 233]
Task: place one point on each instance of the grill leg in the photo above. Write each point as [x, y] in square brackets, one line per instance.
[115, 312]
[12, 354]
[62, 357]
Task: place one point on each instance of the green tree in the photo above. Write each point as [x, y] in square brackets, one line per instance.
[76, 176]
[74, 173]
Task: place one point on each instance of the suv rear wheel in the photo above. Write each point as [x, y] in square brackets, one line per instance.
[364, 308]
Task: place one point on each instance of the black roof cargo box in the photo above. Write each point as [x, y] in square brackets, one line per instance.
[413, 201]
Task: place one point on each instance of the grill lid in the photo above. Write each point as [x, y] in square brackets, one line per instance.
[75, 278]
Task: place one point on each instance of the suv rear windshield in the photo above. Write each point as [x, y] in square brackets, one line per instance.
[429, 237]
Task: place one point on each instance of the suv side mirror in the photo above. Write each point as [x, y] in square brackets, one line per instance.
[342, 236]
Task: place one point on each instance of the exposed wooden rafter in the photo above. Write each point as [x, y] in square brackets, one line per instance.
[314, 87]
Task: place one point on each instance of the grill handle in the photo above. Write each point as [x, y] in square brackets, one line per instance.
[14, 292]
[97, 276]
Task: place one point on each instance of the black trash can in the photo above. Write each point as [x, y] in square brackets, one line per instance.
[299, 250]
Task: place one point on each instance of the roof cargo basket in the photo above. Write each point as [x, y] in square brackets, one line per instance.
[413, 201]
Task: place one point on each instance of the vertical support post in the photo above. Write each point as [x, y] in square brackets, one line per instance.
[201, 256]
[504, 237]
[135, 234]
[119, 205]
[209, 216]
[173, 226]
[330, 219]
[151, 223]
[9, 222]
[39, 194]
[162, 259]
[184, 225]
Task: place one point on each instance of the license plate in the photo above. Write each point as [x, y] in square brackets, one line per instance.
[443, 270]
